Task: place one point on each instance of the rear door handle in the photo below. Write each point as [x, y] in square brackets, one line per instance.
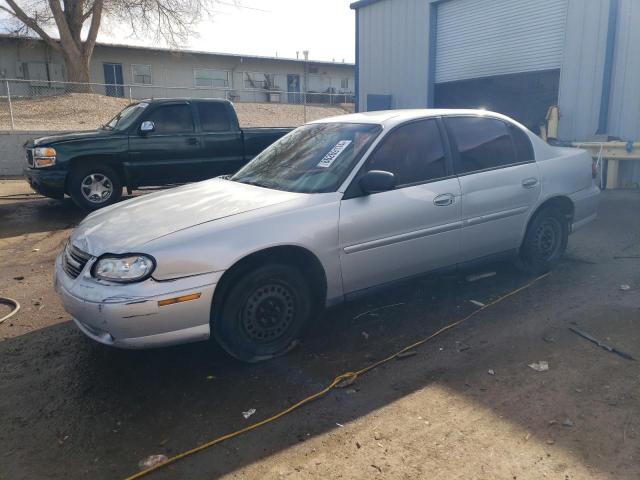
[529, 182]
[443, 200]
[192, 141]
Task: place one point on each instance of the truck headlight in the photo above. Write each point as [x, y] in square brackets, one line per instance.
[44, 157]
[131, 267]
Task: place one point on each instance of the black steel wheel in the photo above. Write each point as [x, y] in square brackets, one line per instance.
[545, 241]
[262, 312]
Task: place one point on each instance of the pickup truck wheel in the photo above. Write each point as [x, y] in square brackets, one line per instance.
[95, 186]
[263, 313]
[545, 241]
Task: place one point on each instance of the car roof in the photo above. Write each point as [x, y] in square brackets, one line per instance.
[390, 118]
[183, 99]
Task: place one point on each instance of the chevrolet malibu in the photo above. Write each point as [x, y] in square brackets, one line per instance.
[335, 209]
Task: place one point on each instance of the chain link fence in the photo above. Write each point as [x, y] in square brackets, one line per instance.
[57, 106]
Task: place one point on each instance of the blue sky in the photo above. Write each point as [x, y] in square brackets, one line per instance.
[268, 27]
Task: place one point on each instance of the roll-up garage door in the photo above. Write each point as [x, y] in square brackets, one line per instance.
[480, 38]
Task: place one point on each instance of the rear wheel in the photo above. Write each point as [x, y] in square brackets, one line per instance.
[94, 186]
[545, 241]
[262, 313]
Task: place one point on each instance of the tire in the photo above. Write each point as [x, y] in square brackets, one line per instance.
[262, 313]
[94, 186]
[545, 241]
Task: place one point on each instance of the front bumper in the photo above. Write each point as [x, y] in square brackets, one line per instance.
[128, 315]
[50, 183]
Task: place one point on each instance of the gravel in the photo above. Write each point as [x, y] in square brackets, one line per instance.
[86, 111]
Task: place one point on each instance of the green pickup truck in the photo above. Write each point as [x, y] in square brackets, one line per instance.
[149, 143]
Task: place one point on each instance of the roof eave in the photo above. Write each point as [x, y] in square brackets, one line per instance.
[362, 3]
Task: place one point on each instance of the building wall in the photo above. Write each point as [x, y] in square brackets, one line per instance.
[582, 68]
[393, 55]
[624, 110]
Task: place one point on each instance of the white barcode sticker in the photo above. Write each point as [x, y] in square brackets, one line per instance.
[330, 157]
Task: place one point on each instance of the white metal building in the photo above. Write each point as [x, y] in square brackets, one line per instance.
[517, 57]
[162, 72]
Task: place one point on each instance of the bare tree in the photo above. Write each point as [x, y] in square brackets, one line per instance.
[169, 20]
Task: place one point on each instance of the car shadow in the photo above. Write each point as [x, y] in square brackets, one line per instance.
[101, 410]
[37, 215]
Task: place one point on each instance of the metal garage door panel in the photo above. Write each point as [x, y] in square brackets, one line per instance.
[480, 38]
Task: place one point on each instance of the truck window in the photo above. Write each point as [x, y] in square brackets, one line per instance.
[483, 143]
[413, 153]
[172, 119]
[213, 117]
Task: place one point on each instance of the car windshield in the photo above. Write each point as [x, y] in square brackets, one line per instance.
[313, 158]
[126, 117]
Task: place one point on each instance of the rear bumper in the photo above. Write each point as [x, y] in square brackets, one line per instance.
[585, 206]
[50, 183]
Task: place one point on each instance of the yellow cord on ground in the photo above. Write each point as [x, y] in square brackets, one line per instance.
[347, 376]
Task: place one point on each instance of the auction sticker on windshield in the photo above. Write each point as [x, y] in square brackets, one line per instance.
[334, 153]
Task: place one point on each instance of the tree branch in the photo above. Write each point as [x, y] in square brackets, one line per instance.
[20, 14]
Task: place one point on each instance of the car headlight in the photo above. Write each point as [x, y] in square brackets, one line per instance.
[44, 157]
[131, 267]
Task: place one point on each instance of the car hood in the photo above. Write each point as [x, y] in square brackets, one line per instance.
[71, 136]
[127, 226]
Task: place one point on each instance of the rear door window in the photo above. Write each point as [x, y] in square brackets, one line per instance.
[172, 119]
[414, 153]
[213, 117]
[482, 143]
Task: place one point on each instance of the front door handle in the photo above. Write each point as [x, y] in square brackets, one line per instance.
[529, 182]
[443, 200]
[192, 141]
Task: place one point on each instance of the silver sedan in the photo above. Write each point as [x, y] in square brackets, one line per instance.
[333, 210]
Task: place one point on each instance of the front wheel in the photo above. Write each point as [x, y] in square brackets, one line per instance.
[94, 186]
[545, 241]
[263, 313]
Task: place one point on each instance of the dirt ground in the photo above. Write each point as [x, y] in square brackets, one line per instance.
[72, 409]
[87, 111]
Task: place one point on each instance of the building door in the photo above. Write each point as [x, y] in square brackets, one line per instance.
[113, 79]
[293, 87]
[501, 56]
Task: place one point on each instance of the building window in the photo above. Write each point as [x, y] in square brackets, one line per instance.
[344, 83]
[265, 81]
[209, 78]
[141, 74]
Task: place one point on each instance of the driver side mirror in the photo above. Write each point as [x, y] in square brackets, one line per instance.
[147, 127]
[375, 181]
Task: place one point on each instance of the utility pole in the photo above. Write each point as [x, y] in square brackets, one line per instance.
[306, 81]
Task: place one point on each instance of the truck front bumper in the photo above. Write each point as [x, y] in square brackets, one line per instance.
[50, 183]
[129, 316]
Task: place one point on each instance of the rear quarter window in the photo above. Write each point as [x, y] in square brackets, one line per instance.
[522, 145]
